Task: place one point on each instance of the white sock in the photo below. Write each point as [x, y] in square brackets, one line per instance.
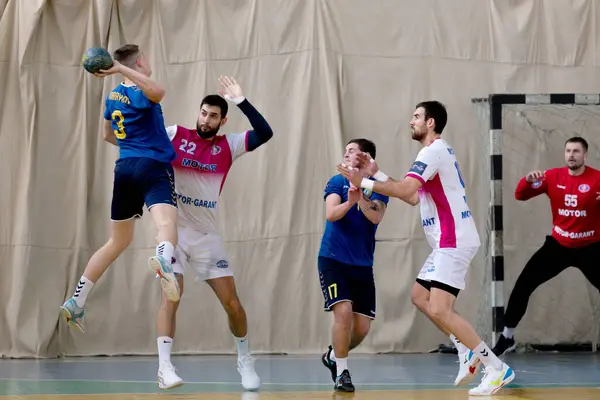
[458, 344]
[242, 346]
[487, 356]
[166, 250]
[508, 332]
[164, 349]
[332, 355]
[83, 289]
[342, 364]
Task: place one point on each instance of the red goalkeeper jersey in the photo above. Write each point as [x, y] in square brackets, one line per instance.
[575, 210]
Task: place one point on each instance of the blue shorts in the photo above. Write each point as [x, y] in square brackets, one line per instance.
[138, 181]
[345, 282]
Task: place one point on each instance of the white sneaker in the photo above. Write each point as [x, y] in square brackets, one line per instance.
[167, 377]
[493, 380]
[468, 368]
[250, 380]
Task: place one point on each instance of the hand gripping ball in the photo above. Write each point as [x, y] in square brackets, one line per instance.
[96, 58]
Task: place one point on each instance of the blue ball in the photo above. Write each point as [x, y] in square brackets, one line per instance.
[96, 58]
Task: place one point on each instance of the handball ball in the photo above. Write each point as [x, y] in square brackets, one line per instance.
[96, 58]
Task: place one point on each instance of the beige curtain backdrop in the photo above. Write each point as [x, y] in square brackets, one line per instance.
[321, 72]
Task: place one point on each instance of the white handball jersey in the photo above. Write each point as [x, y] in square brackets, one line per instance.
[201, 168]
[445, 214]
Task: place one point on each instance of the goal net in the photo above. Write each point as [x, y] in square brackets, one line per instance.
[521, 133]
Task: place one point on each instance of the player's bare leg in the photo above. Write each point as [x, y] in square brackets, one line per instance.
[120, 238]
[468, 361]
[166, 322]
[165, 219]
[226, 292]
[341, 334]
[361, 325]
[497, 373]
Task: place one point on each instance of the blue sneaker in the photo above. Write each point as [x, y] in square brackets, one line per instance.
[168, 281]
[73, 314]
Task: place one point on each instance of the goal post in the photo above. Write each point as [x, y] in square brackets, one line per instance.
[520, 131]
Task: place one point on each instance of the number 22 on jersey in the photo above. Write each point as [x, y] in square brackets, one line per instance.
[118, 116]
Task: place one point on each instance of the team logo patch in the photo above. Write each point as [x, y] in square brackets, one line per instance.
[536, 185]
[584, 188]
[215, 150]
[222, 264]
[418, 167]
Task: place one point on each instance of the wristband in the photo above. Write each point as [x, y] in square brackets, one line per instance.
[367, 184]
[235, 100]
[380, 176]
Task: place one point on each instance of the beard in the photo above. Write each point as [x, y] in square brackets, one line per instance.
[574, 164]
[208, 134]
[418, 135]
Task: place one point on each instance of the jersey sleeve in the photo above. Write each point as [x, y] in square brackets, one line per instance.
[171, 131]
[380, 197]
[426, 165]
[335, 186]
[526, 190]
[238, 143]
[138, 98]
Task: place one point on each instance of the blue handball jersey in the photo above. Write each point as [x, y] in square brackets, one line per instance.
[138, 124]
[350, 239]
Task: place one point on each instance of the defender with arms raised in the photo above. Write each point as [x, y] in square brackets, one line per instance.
[201, 167]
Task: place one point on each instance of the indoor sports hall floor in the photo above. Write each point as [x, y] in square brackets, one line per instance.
[548, 376]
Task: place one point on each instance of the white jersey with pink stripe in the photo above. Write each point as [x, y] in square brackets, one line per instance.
[445, 214]
[201, 168]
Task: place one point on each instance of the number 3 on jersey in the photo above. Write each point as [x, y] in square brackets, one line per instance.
[120, 133]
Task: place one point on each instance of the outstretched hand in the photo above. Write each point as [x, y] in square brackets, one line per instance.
[367, 164]
[535, 176]
[231, 90]
[352, 174]
[354, 194]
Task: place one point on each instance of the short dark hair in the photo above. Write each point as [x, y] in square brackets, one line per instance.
[578, 139]
[437, 111]
[127, 54]
[366, 146]
[217, 101]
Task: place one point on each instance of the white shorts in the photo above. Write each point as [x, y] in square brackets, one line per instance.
[203, 253]
[448, 265]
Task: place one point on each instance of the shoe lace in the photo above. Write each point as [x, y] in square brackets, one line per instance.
[488, 375]
[246, 363]
[168, 367]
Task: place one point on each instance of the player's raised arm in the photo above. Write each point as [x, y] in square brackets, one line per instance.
[374, 210]
[133, 65]
[531, 185]
[335, 209]
[261, 132]
[385, 185]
